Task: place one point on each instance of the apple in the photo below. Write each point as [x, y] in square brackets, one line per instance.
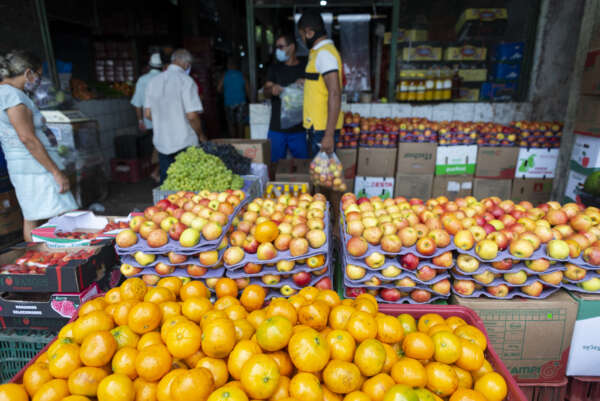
[375, 260]
[442, 238]
[211, 282]
[467, 263]
[127, 270]
[302, 279]
[144, 259]
[574, 272]
[558, 249]
[391, 243]
[252, 268]
[554, 278]
[324, 284]
[176, 230]
[287, 290]
[164, 269]
[408, 236]
[136, 222]
[167, 222]
[391, 271]
[581, 222]
[556, 217]
[426, 273]
[150, 211]
[531, 237]
[442, 287]
[486, 277]
[198, 223]
[150, 279]
[357, 246]
[538, 265]
[126, 238]
[565, 230]
[390, 294]
[232, 256]
[316, 238]
[464, 240]
[443, 260]
[478, 233]
[426, 246]
[299, 230]
[176, 258]
[211, 231]
[237, 238]
[592, 285]
[592, 255]
[250, 244]
[521, 248]
[516, 278]
[420, 296]
[189, 238]
[497, 224]
[464, 287]
[534, 289]
[409, 261]
[298, 247]
[373, 235]
[266, 251]
[500, 290]
[486, 249]
[500, 239]
[355, 228]
[405, 282]
[157, 238]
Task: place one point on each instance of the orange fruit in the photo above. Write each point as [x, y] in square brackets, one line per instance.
[93, 321]
[467, 395]
[330, 297]
[85, 381]
[35, 376]
[428, 320]
[255, 318]
[193, 359]
[217, 368]
[365, 305]
[259, 376]
[356, 396]
[391, 357]
[194, 288]
[492, 385]
[64, 360]
[389, 329]
[418, 345]
[225, 302]
[169, 323]
[92, 305]
[362, 326]
[253, 297]
[306, 386]
[236, 312]
[12, 392]
[230, 393]
[409, 371]
[454, 321]
[97, 349]
[57, 344]
[425, 395]
[283, 361]
[226, 286]
[113, 295]
[465, 380]
[121, 311]
[144, 390]
[183, 339]
[243, 329]
[124, 362]
[172, 283]
[367, 296]
[54, 390]
[309, 350]
[274, 333]
[267, 231]
[370, 357]
[116, 387]
[211, 316]
[329, 395]
[471, 357]
[314, 315]
[148, 339]
[133, 288]
[144, 317]
[66, 331]
[400, 392]
[282, 307]
[472, 334]
[218, 338]
[195, 307]
[158, 295]
[376, 386]
[342, 377]
[163, 389]
[341, 344]
[153, 362]
[441, 379]
[125, 337]
[447, 347]
[240, 355]
[282, 390]
[169, 309]
[309, 293]
[76, 398]
[437, 328]
[409, 324]
[339, 316]
[297, 301]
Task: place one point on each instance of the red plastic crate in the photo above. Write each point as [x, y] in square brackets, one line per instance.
[468, 315]
[129, 170]
[584, 388]
[545, 391]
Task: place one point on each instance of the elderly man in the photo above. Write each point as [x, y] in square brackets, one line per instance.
[173, 105]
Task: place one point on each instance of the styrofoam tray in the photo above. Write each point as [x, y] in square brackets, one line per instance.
[192, 260]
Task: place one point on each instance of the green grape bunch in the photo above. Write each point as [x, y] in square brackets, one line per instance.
[196, 170]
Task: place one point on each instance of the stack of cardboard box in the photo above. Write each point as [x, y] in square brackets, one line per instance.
[454, 170]
[375, 171]
[495, 171]
[414, 169]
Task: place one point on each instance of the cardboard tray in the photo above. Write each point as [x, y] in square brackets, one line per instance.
[130, 260]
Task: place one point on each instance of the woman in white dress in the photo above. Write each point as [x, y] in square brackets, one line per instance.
[34, 166]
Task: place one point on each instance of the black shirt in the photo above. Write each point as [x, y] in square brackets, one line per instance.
[283, 75]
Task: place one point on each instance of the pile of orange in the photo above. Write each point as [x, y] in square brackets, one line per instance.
[171, 343]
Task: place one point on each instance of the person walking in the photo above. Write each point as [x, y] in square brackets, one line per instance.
[235, 90]
[30, 148]
[173, 105]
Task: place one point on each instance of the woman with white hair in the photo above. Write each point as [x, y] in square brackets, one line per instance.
[34, 166]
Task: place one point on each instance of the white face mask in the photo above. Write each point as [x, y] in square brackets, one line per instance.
[188, 70]
[281, 56]
[32, 86]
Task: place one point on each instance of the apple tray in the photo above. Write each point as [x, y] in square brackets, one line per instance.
[575, 288]
[349, 283]
[498, 281]
[589, 275]
[546, 292]
[370, 275]
[314, 279]
[539, 253]
[175, 246]
[240, 273]
[515, 268]
[181, 272]
[408, 299]
[130, 259]
[394, 262]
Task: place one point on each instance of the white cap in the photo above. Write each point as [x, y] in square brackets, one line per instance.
[155, 60]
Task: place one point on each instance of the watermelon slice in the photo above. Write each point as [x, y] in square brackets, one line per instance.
[64, 308]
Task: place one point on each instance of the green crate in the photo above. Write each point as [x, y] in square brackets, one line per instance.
[18, 347]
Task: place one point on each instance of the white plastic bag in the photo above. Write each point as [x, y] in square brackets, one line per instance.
[327, 171]
[292, 102]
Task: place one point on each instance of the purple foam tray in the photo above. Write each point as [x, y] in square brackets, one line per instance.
[180, 272]
[192, 260]
[370, 275]
[240, 273]
[575, 288]
[392, 262]
[589, 275]
[290, 282]
[539, 253]
[546, 292]
[409, 300]
[498, 281]
[175, 246]
[515, 268]
[349, 283]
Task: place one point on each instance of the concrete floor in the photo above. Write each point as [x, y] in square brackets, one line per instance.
[125, 198]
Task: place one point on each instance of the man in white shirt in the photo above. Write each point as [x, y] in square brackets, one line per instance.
[138, 98]
[173, 104]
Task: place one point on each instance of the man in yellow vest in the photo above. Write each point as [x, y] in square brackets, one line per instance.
[322, 117]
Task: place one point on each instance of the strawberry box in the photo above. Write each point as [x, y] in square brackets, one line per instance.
[34, 267]
[44, 311]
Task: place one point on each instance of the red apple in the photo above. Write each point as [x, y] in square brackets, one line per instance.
[464, 287]
[426, 246]
[409, 261]
[426, 273]
[356, 246]
[390, 294]
[196, 270]
[500, 290]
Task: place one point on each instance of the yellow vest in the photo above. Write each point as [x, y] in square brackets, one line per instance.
[316, 93]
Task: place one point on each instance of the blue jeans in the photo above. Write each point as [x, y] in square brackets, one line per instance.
[164, 161]
[281, 141]
[315, 138]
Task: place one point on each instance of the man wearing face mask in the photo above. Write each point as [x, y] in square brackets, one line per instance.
[287, 71]
[322, 117]
[34, 166]
[173, 105]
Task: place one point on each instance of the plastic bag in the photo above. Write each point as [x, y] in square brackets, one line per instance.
[292, 102]
[326, 171]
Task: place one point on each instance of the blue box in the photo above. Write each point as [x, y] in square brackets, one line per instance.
[498, 91]
[512, 51]
[506, 71]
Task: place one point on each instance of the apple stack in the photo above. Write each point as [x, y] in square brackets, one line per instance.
[493, 134]
[417, 130]
[539, 134]
[350, 132]
[183, 235]
[457, 133]
[507, 250]
[282, 244]
[389, 251]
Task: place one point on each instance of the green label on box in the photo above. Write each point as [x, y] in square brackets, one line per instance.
[455, 169]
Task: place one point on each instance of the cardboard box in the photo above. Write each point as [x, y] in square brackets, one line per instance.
[588, 118]
[496, 162]
[376, 162]
[456, 160]
[531, 336]
[533, 190]
[422, 52]
[73, 276]
[536, 163]
[348, 159]
[465, 53]
[590, 80]
[575, 181]
[407, 35]
[416, 158]
[486, 187]
[586, 152]
[452, 187]
[281, 187]
[374, 186]
[259, 150]
[293, 170]
[414, 185]
[585, 344]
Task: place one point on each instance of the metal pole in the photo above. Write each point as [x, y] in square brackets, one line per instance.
[393, 50]
[40, 9]
[250, 31]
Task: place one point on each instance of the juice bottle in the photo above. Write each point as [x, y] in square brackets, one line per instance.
[447, 93]
[412, 88]
[438, 93]
[420, 87]
[403, 87]
[429, 86]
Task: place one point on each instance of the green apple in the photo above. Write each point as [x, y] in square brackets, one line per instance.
[189, 237]
[144, 259]
[592, 285]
